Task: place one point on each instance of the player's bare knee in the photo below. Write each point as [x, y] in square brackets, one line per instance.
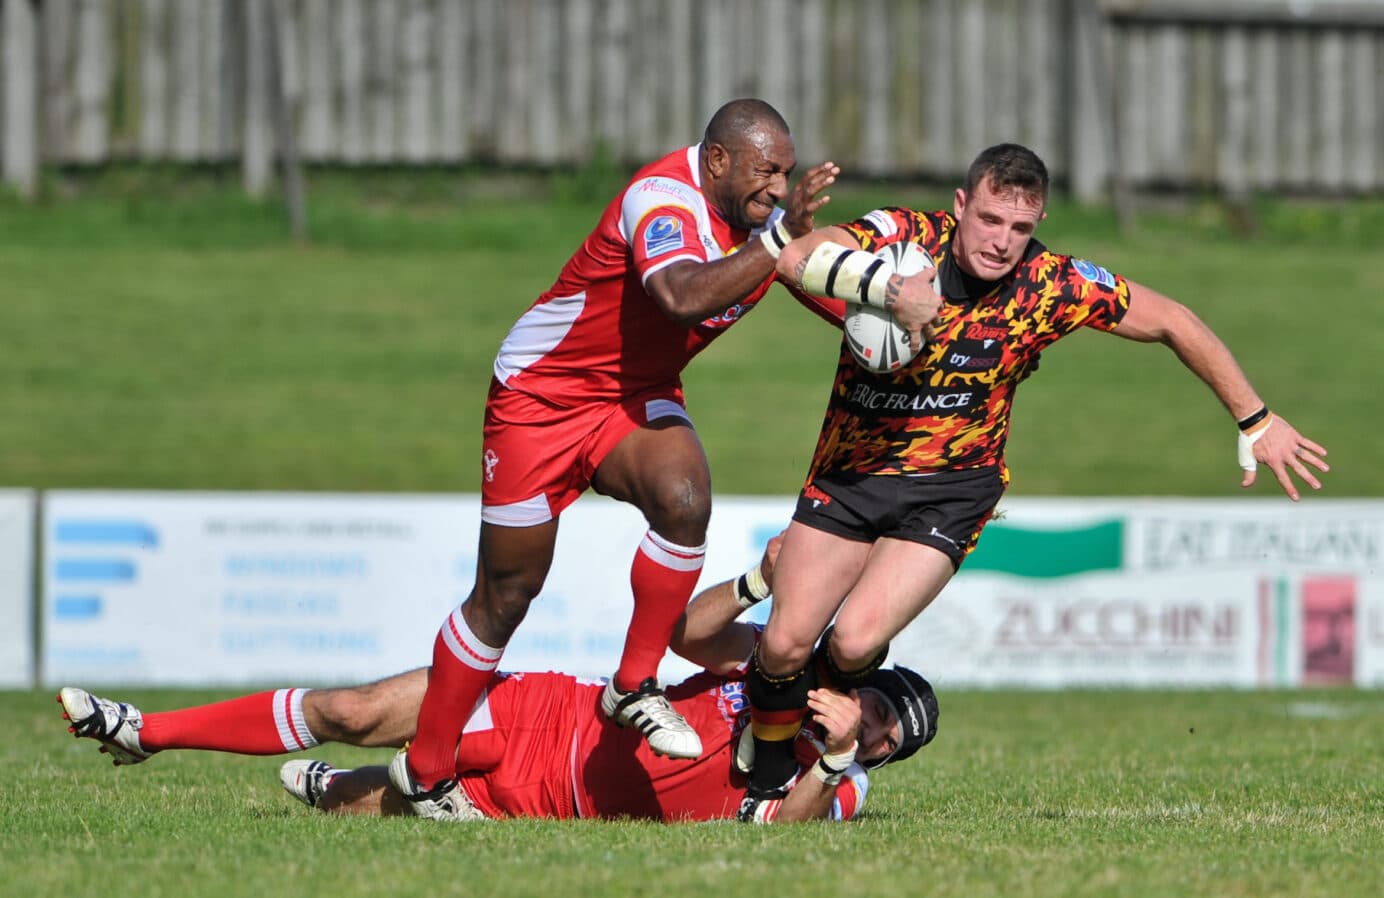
[852, 650]
[501, 593]
[679, 509]
[780, 653]
[496, 612]
[351, 716]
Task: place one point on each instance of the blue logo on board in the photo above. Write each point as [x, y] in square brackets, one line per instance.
[79, 578]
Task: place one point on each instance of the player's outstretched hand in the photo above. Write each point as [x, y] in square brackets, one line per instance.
[838, 715]
[800, 209]
[1283, 449]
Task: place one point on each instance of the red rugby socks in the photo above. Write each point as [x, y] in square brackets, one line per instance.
[663, 578]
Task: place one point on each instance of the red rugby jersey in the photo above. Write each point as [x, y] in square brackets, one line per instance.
[538, 745]
[596, 333]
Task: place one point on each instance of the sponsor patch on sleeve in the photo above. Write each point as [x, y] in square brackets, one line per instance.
[662, 235]
[883, 222]
[1094, 273]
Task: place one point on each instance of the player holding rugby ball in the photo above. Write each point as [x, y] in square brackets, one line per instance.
[910, 463]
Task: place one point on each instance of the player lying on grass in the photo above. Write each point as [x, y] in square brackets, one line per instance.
[539, 745]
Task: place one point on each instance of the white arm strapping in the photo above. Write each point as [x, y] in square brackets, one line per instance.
[849, 274]
[830, 768]
[1246, 445]
[750, 588]
[776, 238]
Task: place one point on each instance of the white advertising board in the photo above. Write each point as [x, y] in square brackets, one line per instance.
[1091, 630]
[578, 622]
[16, 589]
[237, 588]
[1368, 624]
[1162, 592]
[223, 588]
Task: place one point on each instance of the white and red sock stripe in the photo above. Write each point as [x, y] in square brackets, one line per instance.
[288, 718]
[671, 555]
[466, 647]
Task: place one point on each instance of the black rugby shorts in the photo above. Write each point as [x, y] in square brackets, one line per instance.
[946, 510]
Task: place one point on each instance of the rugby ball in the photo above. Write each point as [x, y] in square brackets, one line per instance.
[876, 340]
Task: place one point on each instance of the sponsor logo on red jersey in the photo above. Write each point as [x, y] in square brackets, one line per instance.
[662, 235]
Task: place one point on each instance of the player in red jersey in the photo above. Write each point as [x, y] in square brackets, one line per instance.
[910, 465]
[539, 745]
[587, 393]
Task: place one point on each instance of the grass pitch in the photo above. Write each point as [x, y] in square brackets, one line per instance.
[160, 332]
[1032, 794]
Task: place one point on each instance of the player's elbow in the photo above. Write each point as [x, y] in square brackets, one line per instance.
[1182, 329]
[1155, 318]
[683, 316]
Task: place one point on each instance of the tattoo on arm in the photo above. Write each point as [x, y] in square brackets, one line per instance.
[799, 270]
[891, 291]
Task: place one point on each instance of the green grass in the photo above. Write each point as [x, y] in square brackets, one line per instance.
[1035, 794]
[161, 331]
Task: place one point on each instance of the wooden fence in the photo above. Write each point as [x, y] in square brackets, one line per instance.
[1235, 95]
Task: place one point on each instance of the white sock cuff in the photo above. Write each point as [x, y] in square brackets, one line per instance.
[465, 646]
[288, 717]
[671, 555]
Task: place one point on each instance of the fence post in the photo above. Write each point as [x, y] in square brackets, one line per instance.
[285, 132]
[19, 56]
[257, 146]
[1088, 158]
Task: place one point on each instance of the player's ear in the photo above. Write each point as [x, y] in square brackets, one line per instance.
[959, 202]
[717, 159]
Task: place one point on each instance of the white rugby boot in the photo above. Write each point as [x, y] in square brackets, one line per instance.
[647, 709]
[445, 801]
[307, 780]
[115, 725]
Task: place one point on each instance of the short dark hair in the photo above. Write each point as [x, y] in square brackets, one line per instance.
[1009, 166]
[738, 117]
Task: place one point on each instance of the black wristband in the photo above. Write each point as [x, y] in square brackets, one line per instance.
[742, 591]
[1246, 423]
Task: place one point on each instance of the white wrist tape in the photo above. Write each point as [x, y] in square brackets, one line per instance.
[1246, 446]
[830, 768]
[750, 588]
[775, 238]
[850, 274]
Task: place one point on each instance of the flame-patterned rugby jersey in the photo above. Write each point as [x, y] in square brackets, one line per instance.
[596, 333]
[949, 409]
